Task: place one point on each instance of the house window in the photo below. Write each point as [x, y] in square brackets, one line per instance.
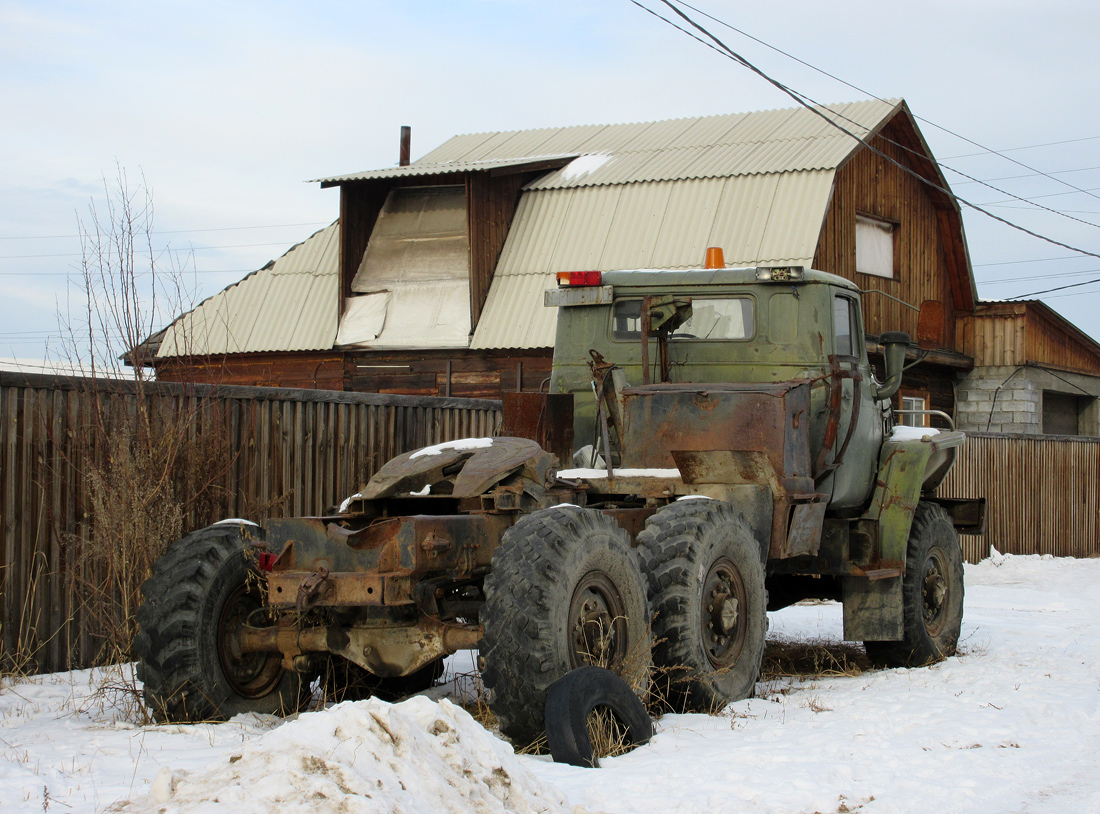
[910, 407]
[875, 246]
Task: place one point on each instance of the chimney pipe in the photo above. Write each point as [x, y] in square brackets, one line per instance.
[406, 145]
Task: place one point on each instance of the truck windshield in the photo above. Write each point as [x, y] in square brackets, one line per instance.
[713, 318]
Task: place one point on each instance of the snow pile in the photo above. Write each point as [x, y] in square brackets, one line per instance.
[582, 165]
[905, 433]
[572, 474]
[366, 756]
[461, 443]
[347, 502]
[1012, 724]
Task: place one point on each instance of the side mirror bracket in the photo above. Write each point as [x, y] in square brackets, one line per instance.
[894, 345]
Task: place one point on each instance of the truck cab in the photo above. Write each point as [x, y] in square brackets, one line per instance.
[747, 326]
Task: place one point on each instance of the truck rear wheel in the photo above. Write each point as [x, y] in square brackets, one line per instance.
[932, 594]
[202, 590]
[564, 591]
[709, 603]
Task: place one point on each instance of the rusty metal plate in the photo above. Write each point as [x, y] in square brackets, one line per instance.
[471, 471]
[492, 464]
[340, 589]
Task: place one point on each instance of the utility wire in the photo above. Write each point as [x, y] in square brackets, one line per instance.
[1026, 175]
[816, 108]
[184, 249]
[1002, 280]
[1048, 290]
[1013, 149]
[179, 231]
[926, 121]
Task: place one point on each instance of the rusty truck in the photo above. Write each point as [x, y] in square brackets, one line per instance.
[714, 444]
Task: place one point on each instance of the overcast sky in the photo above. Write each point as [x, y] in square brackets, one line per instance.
[228, 108]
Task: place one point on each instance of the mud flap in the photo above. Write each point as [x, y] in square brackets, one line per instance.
[873, 609]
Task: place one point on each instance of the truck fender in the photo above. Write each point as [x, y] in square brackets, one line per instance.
[873, 607]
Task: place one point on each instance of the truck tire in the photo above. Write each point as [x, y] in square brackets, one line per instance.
[564, 591]
[932, 594]
[708, 603]
[575, 696]
[203, 588]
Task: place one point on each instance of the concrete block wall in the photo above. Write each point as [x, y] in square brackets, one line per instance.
[999, 399]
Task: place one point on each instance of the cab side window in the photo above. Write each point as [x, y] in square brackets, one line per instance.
[844, 325]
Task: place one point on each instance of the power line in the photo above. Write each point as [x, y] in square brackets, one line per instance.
[868, 93]
[1038, 277]
[1058, 288]
[1047, 195]
[1025, 175]
[1014, 149]
[173, 231]
[184, 249]
[1036, 260]
[76, 274]
[816, 108]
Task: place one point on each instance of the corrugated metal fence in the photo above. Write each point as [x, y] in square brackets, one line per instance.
[1042, 493]
[263, 451]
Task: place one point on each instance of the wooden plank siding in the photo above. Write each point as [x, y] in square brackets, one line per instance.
[1019, 333]
[1053, 341]
[1042, 493]
[491, 202]
[469, 374]
[870, 185]
[995, 339]
[292, 452]
[321, 370]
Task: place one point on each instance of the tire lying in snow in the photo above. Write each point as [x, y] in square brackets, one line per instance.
[565, 591]
[201, 592]
[709, 603]
[932, 594]
[570, 705]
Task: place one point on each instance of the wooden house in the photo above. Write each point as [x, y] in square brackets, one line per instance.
[431, 280]
[1035, 373]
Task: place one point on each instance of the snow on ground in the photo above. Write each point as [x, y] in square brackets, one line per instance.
[1011, 725]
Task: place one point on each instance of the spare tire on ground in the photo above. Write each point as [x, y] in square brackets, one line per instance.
[582, 694]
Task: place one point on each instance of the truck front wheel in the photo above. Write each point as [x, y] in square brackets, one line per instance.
[709, 603]
[932, 594]
[201, 592]
[564, 592]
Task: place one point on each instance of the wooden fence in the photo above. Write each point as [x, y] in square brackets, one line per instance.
[1042, 493]
[258, 452]
[271, 451]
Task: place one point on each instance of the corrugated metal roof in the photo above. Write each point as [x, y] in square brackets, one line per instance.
[421, 168]
[757, 219]
[757, 184]
[768, 141]
[290, 305]
[529, 327]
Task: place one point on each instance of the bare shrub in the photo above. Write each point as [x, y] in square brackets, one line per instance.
[149, 465]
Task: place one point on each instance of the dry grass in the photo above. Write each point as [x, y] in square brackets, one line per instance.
[805, 659]
[609, 736]
[149, 474]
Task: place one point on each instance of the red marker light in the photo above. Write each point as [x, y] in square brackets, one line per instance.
[580, 278]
